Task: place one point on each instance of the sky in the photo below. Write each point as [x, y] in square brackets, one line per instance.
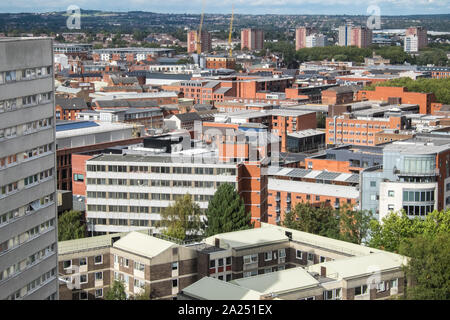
[350, 7]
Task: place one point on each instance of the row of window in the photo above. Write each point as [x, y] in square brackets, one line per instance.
[24, 264]
[132, 222]
[159, 169]
[352, 133]
[25, 74]
[418, 196]
[26, 236]
[31, 180]
[37, 125]
[310, 256]
[33, 285]
[417, 210]
[11, 132]
[98, 259]
[353, 125]
[15, 214]
[352, 140]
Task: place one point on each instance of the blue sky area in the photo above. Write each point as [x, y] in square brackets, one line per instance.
[351, 7]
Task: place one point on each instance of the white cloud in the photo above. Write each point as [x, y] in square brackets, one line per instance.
[241, 6]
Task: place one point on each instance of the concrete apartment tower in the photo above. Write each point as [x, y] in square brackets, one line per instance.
[206, 43]
[28, 209]
[252, 39]
[345, 35]
[415, 39]
[300, 37]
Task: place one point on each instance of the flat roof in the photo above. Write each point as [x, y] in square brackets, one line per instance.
[209, 288]
[321, 189]
[88, 243]
[278, 282]
[247, 238]
[415, 146]
[142, 244]
[74, 129]
[306, 133]
[360, 266]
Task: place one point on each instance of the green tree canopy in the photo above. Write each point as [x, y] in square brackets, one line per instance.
[428, 268]
[71, 226]
[226, 212]
[322, 221]
[182, 219]
[354, 224]
[440, 87]
[395, 228]
[116, 291]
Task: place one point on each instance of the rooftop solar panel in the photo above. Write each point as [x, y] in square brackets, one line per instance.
[75, 125]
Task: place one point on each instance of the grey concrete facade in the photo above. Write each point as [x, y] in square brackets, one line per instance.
[28, 213]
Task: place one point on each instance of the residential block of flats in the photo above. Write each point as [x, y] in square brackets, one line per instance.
[262, 263]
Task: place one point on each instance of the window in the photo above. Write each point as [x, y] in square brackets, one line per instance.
[175, 283]
[373, 183]
[394, 283]
[98, 276]
[83, 295]
[67, 264]
[228, 261]
[78, 177]
[267, 255]
[174, 265]
[228, 277]
[83, 261]
[299, 254]
[321, 259]
[98, 259]
[99, 293]
[250, 259]
[83, 278]
[390, 193]
[139, 266]
[212, 263]
[310, 256]
[334, 294]
[361, 290]
[381, 286]
[126, 262]
[390, 207]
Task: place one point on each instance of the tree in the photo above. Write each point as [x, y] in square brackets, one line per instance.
[354, 225]
[116, 292]
[182, 219]
[71, 226]
[321, 221]
[144, 295]
[393, 229]
[396, 228]
[428, 269]
[226, 212]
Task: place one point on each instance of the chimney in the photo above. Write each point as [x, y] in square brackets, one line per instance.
[323, 271]
[217, 242]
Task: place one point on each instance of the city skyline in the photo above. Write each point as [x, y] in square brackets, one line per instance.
[295, 7]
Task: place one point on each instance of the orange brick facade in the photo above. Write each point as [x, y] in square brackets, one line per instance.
[424, 100]
[358, 131]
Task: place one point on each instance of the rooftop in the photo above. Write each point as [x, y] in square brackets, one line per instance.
[360, 266]
[142, 244]
[209, 288]
[279, 282]
[247, 238]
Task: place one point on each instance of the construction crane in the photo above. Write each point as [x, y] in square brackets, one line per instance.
[230, 52]
[199, 35]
